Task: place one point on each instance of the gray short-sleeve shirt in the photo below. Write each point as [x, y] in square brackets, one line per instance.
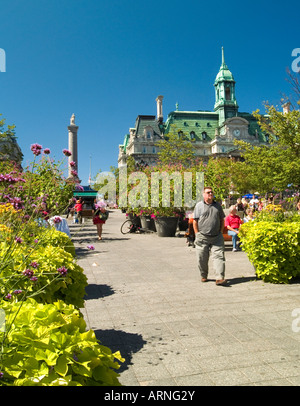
[209, 218]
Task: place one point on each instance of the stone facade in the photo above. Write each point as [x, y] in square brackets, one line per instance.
[212, 132]
[10, 150]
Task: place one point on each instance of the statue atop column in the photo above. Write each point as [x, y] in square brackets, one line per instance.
[72, 120]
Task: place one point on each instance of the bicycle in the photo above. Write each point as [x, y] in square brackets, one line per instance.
[130, 227]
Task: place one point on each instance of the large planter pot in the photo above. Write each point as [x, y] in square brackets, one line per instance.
[166, 226]
[148, 223]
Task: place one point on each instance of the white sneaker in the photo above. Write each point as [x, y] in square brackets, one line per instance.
[234, 250]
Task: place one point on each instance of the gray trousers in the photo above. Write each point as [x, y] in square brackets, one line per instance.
[214, 245]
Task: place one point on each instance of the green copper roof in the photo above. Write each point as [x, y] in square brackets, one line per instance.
[194, 124]
[224, 73]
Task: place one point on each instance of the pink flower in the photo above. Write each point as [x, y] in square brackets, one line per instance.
[74, 173]
[90, 247]
[73, 164]
[47, 151]
[67, 152]
[36, 149]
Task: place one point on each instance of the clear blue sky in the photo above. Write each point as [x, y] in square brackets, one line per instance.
[107, 61]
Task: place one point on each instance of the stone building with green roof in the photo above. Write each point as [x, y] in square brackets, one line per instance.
[212, 132]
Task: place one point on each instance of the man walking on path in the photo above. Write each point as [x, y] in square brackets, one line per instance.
[208, 226]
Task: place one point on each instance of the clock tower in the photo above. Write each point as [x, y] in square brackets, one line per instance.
[226, 105]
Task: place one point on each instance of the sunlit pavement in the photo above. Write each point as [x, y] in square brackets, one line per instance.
[145, 298]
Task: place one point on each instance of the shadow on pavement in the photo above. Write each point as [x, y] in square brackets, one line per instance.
[118, 340]
[94, 291]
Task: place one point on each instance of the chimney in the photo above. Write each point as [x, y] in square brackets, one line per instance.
[286, 107]
[159, 108]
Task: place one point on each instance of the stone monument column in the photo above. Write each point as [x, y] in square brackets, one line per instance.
[72, 128]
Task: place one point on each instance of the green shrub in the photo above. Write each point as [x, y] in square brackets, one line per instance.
[50, 285]
[51, 236]
[273, 248]
[48, 345]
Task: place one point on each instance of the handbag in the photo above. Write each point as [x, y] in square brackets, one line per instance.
[103, 216]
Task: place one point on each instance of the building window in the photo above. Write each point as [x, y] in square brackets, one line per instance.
[227, 93]
[192, 135]
[148, 132]
[144, 150]
[204, 135]
[154, 150]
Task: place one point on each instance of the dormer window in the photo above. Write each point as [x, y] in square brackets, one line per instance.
[204, 135]
[148, 132]
[192, 135]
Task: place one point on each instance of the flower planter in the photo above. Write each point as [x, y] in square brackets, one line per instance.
[148, 223]
[166, 226]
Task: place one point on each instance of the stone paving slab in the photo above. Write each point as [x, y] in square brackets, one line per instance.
[145, 298]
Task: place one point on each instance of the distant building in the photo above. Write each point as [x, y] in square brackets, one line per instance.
[212, 132]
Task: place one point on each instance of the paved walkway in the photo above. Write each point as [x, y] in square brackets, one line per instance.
[145, 299]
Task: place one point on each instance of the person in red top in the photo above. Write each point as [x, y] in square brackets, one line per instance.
[233, 223]
[78, 209]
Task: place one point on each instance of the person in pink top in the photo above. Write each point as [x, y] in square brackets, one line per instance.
[233, 223]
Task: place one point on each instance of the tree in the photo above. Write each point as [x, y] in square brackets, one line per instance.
[278, 164]
[176, 148]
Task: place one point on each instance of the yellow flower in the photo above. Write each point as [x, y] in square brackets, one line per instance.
[4, 229]
[7, 208]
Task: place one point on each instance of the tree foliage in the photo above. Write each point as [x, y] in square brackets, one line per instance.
[176, 148]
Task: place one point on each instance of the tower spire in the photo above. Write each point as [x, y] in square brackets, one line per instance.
[223, 58]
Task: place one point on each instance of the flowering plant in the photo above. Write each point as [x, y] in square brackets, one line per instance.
[38, 277]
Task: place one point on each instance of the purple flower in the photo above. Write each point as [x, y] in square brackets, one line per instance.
[73, 164]
[57, 220]
[63, 271]
[74, 173]
[34, 264]
[36, 149]
[28, 272]
[19, 240]
[90, 247]
[1, 375]
[17, 291]
[34, 279]
[67, 152]
[47, 151]
[8, 296]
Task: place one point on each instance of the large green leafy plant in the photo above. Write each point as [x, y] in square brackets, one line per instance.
[48, 345]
